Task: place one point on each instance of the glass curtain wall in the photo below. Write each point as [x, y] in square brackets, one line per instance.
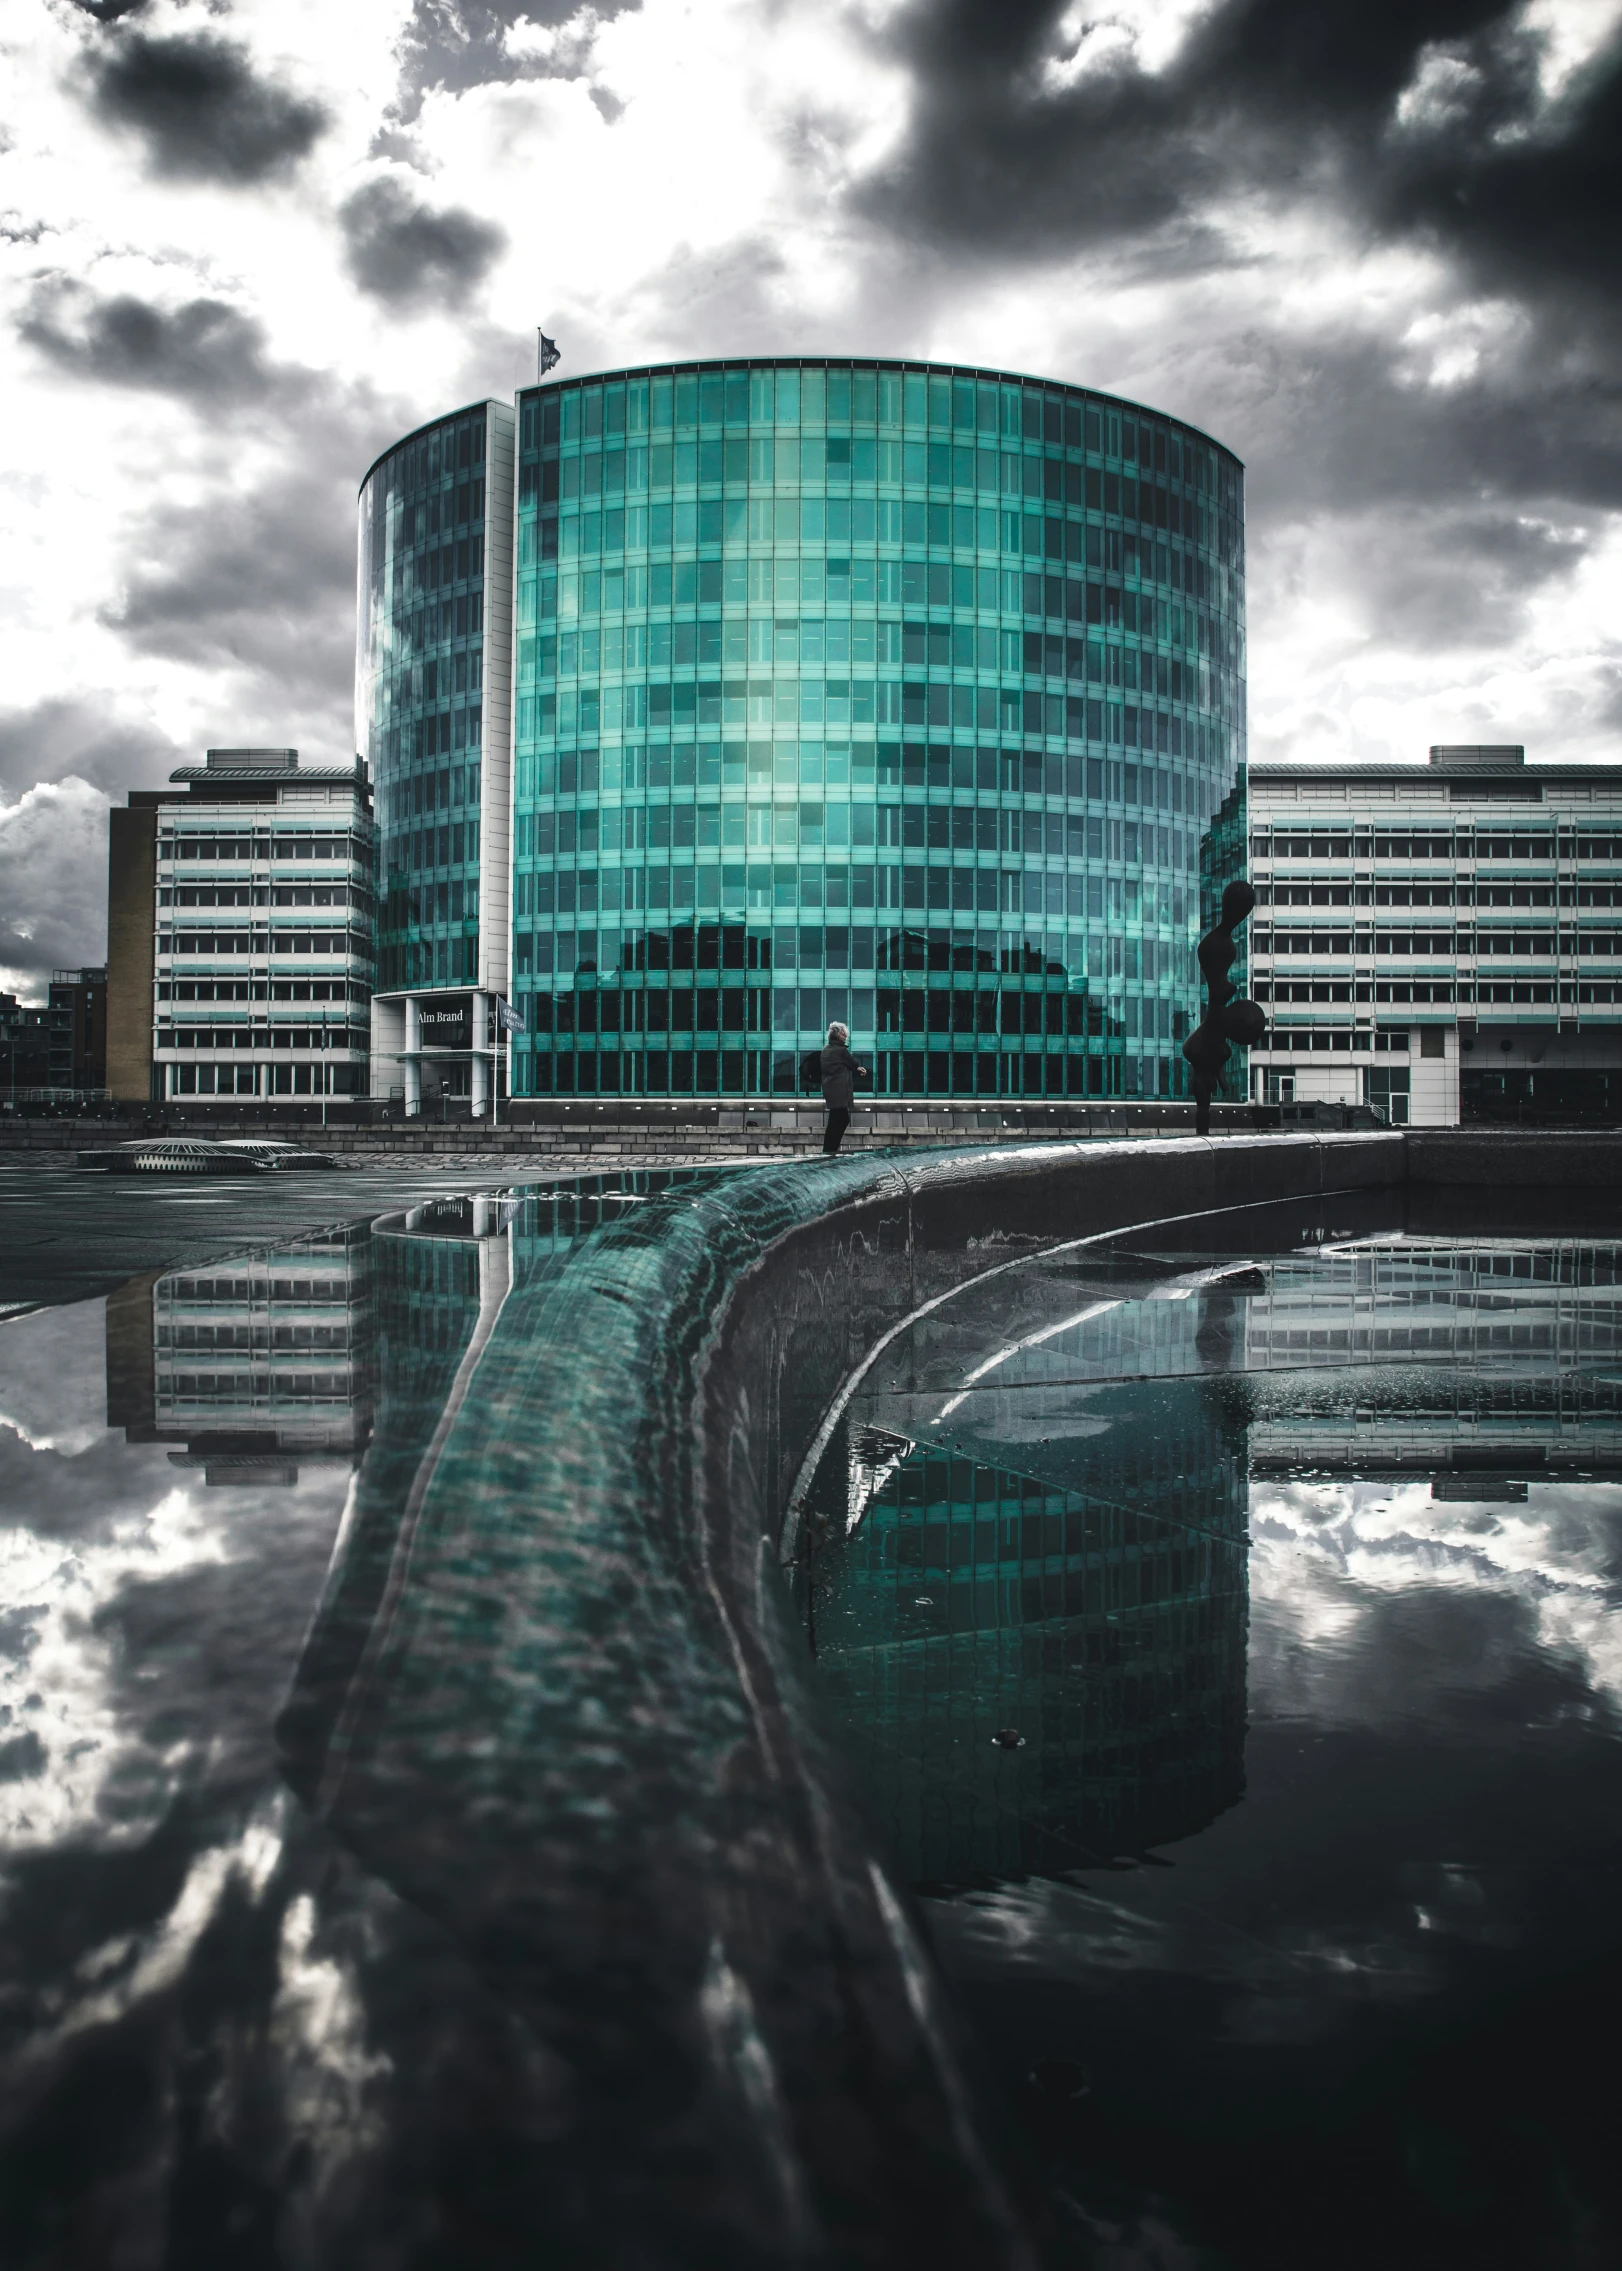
[420, 683]
[910, 696]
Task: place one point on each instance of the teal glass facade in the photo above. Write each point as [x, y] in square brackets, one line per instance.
[907, 695]
[433, 716]
[422, 584]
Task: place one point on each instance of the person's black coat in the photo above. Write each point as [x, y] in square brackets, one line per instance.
[839, 1072]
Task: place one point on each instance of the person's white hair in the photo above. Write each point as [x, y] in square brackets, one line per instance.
[840, 1034]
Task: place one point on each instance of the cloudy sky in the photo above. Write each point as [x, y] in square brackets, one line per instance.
[1373, 247]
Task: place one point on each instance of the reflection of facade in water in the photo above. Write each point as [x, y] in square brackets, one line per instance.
[258, 1363]
[1500, 1352]
[1105, 1623]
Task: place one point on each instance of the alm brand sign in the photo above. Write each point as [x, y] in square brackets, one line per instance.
[447, 1022]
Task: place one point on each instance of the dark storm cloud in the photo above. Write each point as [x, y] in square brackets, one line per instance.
[53, 882]
[1463, 579]
[68, 737]
[203, 351]
[1439, 513]
[1531, 206]
[23, 1757]
[1265, 95]
[263, 583]
[258, 579]
[201, 108]
[1421, 125]
[410, 254]
[1336, 419]
[17, 1633]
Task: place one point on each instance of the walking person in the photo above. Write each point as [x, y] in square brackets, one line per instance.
[839, 1073]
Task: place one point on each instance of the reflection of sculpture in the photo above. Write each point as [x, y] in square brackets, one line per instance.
[1226, 1020]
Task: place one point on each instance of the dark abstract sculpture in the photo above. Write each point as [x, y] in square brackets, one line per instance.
[1226, 1020]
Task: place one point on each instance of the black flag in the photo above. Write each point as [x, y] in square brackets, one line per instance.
[546, 354]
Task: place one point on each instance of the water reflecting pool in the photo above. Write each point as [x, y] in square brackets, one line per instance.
[239, 2021]
[1229, 1645]
[1224, 1638]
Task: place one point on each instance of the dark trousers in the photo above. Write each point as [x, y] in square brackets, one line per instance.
[838, 1122]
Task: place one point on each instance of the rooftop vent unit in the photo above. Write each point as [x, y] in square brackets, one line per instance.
[1478, 757]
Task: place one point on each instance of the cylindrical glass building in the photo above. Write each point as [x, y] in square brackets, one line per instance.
[912, 696]
[903, 694]
[433, 716]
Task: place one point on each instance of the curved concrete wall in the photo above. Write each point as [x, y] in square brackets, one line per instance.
[594, 1688]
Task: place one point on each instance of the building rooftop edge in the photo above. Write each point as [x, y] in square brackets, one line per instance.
[800, 362]
[285, 776]
[1439, 776]
[479, 402]
[874, 363]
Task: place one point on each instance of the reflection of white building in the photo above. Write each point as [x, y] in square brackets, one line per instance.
[1437, 1354]
[257, 1363]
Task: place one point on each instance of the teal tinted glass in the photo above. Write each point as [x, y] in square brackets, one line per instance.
[910, 698]
[421, 681]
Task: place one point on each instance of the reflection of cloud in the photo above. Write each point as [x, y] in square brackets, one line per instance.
[1588, 1630]
[1329, 1555]
[319, 2027]
[1016, 1926]
[64, 1687]
[52, 1377]
[150, 1624]
[110, 1980]
[1284, 1974]
[130, 1969]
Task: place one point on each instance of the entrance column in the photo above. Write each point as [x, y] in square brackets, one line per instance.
[411, 1062]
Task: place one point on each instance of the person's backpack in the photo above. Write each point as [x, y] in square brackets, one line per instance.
[811, 1070]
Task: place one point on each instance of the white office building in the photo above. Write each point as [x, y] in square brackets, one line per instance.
[1442, 941]
[240, 931]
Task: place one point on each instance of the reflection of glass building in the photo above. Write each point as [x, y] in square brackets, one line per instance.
[258, 1363]
[1104, 1623]
[909, 695]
